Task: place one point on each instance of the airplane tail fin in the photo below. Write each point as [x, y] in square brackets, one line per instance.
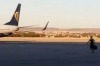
[15, 19]
[46, 26]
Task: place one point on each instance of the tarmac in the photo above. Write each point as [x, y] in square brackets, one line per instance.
[19, 53]
[46, 39]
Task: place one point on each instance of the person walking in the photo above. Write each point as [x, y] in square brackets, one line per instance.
[92, 44]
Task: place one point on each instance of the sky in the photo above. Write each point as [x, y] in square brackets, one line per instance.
[60, 13]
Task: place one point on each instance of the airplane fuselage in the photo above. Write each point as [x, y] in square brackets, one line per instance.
[8, 28]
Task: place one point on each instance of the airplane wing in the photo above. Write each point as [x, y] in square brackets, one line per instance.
[46, 26]
[28, 26]
[34, 26]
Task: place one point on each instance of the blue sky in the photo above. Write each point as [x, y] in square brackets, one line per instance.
[60, 13]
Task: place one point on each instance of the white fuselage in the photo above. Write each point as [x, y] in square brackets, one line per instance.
[8, 28]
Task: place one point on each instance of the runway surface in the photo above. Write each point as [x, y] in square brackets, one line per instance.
[48, 54]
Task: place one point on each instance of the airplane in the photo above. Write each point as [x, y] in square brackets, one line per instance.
[12, 26]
